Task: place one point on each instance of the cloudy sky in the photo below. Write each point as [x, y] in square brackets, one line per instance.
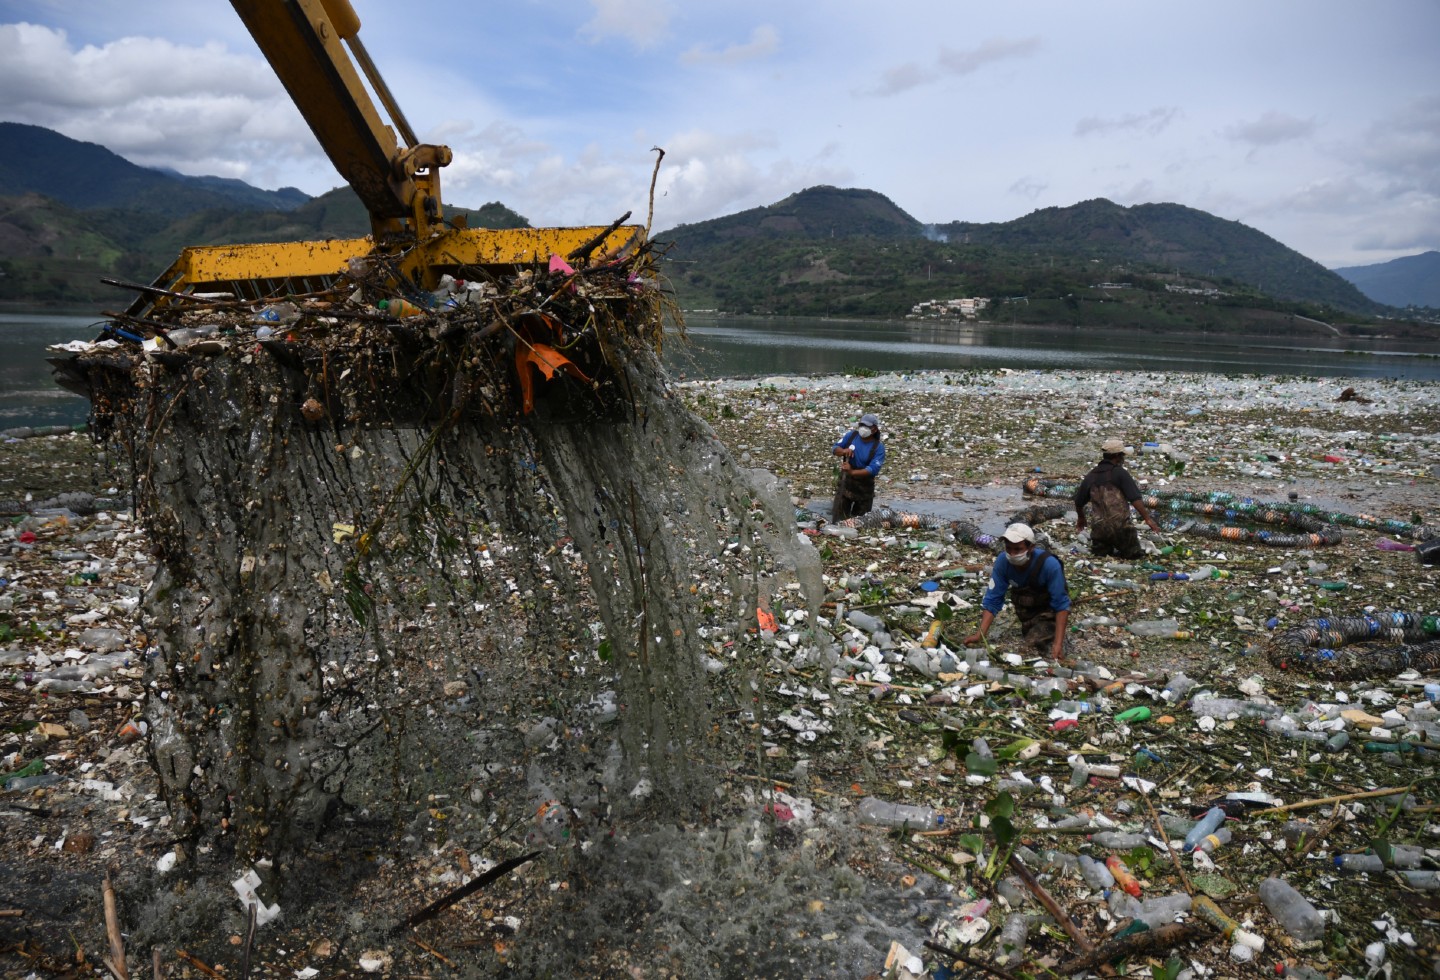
[1315, 121]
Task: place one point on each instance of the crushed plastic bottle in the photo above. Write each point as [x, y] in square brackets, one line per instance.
[1119, 840]
[1296, 915]
[881, 813]
[1213, 841]
[1095, 874]
[1166, 628]
[1011, 942]
[1177, 687]
[864, 621]
[1225, 707]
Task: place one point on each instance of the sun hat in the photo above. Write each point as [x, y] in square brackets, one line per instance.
[869, 419]
[1018, 533]
[1115, 446]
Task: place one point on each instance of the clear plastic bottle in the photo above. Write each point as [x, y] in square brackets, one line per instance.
[864, 621]
[1359, 862]
[1428, 881]
[1011, 944]
[1177, 687]
[1213, 841]
[1154, 627]
[1119, 840]
[1212, 821]
[1225, 707]
[1083, 707]
[881, 813]
[1119, 583]
[1095, 874]
[1337, 742]
[1296, 915]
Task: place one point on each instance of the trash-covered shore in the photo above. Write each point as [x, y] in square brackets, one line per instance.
[1056, 814]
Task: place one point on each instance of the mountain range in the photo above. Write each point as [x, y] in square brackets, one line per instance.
[74, 211]
[1413, 280]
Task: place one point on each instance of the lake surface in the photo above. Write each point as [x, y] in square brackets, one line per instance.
[753, 346]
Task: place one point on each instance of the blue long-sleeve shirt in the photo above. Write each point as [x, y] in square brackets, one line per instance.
[868, 455]
[1051, 577]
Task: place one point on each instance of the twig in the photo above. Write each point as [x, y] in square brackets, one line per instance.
[584, 250]
[433, 952]
[11, 913]
[955, 954]
[1152, 940]
[1307, 804]
[464, 891]
[116, 960]
[249, 942]
[650, 216]
[199, 964]
[1174, 858]
[1320, 834]
[1056, 912]
[157, 965]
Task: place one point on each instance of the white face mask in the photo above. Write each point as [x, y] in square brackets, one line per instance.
[1020, 560]
[865, 431]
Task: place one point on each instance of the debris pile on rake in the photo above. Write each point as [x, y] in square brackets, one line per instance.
[367, 351]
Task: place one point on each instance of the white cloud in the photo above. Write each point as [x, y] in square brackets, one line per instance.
[1151, 123]
[764, 41]
[1271, 129]
[644, 23]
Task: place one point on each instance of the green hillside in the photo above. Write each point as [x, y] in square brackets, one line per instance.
[53, 254]
[831, 252]
[35, 160]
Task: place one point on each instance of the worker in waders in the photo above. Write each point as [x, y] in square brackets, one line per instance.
[862, 453]
[1110, 491]
[1035, 582]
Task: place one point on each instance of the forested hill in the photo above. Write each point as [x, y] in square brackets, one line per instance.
[1170, 236]
[828, 251]
[35, 160]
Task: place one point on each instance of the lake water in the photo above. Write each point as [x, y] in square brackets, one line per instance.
[751, 346]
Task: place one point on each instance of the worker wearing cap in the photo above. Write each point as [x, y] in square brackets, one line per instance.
[862, 453]
[1035, 582]
[1111, 532]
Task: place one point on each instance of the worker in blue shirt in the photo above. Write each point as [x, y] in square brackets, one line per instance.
[1035, 580]
[862, 453]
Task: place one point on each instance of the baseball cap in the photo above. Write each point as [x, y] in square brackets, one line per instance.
[1018, 533]
[1115, 446]
[869, 419]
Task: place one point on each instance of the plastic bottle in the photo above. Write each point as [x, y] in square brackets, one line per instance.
[1276, 726]
[1225, 707]
[1212, 821]
[1298, 971]
[864, 621]
[1207, 910]
[1119, 840]
[18, 783]
[1081, 707]
[1359, 862]
[1177, 687]
[1296, 915]
[881, 813]
[1162, 910]
[1169, 576]
[1011, 944]
[1154, 627]
[1127, 882]
[1428, 881]
[1138, 713]
[1213, 841]
[1390, 544]
[399, 307]
[1406, 856]
[1119, 583]
[1095, 874]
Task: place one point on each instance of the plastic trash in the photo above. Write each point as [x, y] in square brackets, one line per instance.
[1207, 910]
[1390, 544]
[1123, 877]
[1011, 942]
[1359, 862]
[1424, 880]
[1296, 915]
[19, 783]
[1177, 687]
[881, 813]
[399, 307]
[1213, 841]
[1167, 628]
[1138, 713]
[1213, 820]
[864, 621]
[1119, 583]
[1225, 707]
[1119, 840]
[1095, 874]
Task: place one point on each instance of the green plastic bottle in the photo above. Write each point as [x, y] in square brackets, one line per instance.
[1138, 713]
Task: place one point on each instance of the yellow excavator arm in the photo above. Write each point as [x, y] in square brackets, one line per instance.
[396, 177]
